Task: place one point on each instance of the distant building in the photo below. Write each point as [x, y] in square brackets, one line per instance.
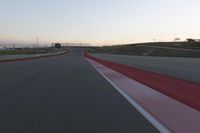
[190, 40]
[177, 39]
[57, 45]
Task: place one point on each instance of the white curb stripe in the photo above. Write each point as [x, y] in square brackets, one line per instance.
[146, 114]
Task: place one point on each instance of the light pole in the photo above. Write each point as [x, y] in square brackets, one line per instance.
[37, 42]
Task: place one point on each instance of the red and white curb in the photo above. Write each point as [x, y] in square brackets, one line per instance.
[165, 113]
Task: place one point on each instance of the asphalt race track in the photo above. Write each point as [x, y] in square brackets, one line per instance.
[63, 94]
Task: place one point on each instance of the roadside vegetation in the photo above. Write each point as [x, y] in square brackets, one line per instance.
[26, 51]
[170, 49]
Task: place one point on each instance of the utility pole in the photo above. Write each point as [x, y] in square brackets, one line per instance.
[13, 45]
[37, 42]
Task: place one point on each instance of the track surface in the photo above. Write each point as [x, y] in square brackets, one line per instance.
[182, 68]
[63, 94]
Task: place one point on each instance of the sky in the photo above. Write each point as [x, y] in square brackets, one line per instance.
[98, 22]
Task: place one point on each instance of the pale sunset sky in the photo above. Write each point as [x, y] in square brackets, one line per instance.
[98, 21]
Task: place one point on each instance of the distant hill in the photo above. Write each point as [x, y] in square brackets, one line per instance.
[177, 49]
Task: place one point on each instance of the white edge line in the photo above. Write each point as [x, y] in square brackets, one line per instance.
[146, 114]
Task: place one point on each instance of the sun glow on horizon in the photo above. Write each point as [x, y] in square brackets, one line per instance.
[98, 22]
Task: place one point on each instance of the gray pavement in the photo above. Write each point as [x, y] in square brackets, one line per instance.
[63, 94]
[178, 67]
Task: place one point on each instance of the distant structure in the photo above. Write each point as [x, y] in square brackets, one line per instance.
[57, 45]
[177, 39]
[191, 40]
[71, 44]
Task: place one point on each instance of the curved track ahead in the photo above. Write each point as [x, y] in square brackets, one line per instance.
[63, 94]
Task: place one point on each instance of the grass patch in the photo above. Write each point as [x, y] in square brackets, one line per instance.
[23, 51]
[143, 49]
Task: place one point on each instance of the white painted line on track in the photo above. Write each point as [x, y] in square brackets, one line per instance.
[145, 113]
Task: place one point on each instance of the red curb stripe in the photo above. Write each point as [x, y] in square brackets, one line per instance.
[31, 58]
[164, 112]
[185, 91]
